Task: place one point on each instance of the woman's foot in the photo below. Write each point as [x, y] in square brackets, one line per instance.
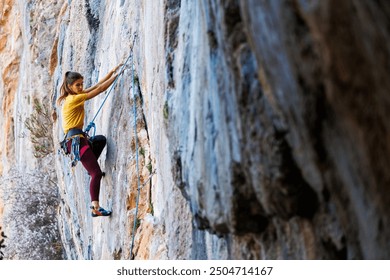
[100, 212]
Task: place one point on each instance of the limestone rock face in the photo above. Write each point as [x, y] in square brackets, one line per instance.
[28, 187]
[252, 129]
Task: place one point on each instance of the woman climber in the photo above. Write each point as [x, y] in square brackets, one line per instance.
[74, 96]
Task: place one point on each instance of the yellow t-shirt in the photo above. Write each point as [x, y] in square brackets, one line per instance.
[73, 112]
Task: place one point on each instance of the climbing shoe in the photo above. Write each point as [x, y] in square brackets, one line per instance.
[100, 212]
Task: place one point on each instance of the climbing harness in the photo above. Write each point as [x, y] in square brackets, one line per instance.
[73, 135]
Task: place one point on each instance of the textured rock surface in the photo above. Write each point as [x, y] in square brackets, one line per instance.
[266, 123]
[28, 187]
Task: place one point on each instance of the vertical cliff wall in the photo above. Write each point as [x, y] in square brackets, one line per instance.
[28, 187]
[261, 128]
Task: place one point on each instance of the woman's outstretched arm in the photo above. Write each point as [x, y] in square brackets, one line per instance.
[102, 87]
[104, 79]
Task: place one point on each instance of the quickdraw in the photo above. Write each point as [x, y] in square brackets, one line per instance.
[75, 151]
[74, 136]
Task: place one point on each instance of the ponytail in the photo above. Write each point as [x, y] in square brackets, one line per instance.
[70, 78]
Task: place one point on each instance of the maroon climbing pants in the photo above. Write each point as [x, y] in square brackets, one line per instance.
[89, 153]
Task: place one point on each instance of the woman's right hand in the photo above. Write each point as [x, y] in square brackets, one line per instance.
[116, 68]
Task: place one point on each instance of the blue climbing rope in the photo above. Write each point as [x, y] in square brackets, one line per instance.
[136, 158]
[92, 124]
